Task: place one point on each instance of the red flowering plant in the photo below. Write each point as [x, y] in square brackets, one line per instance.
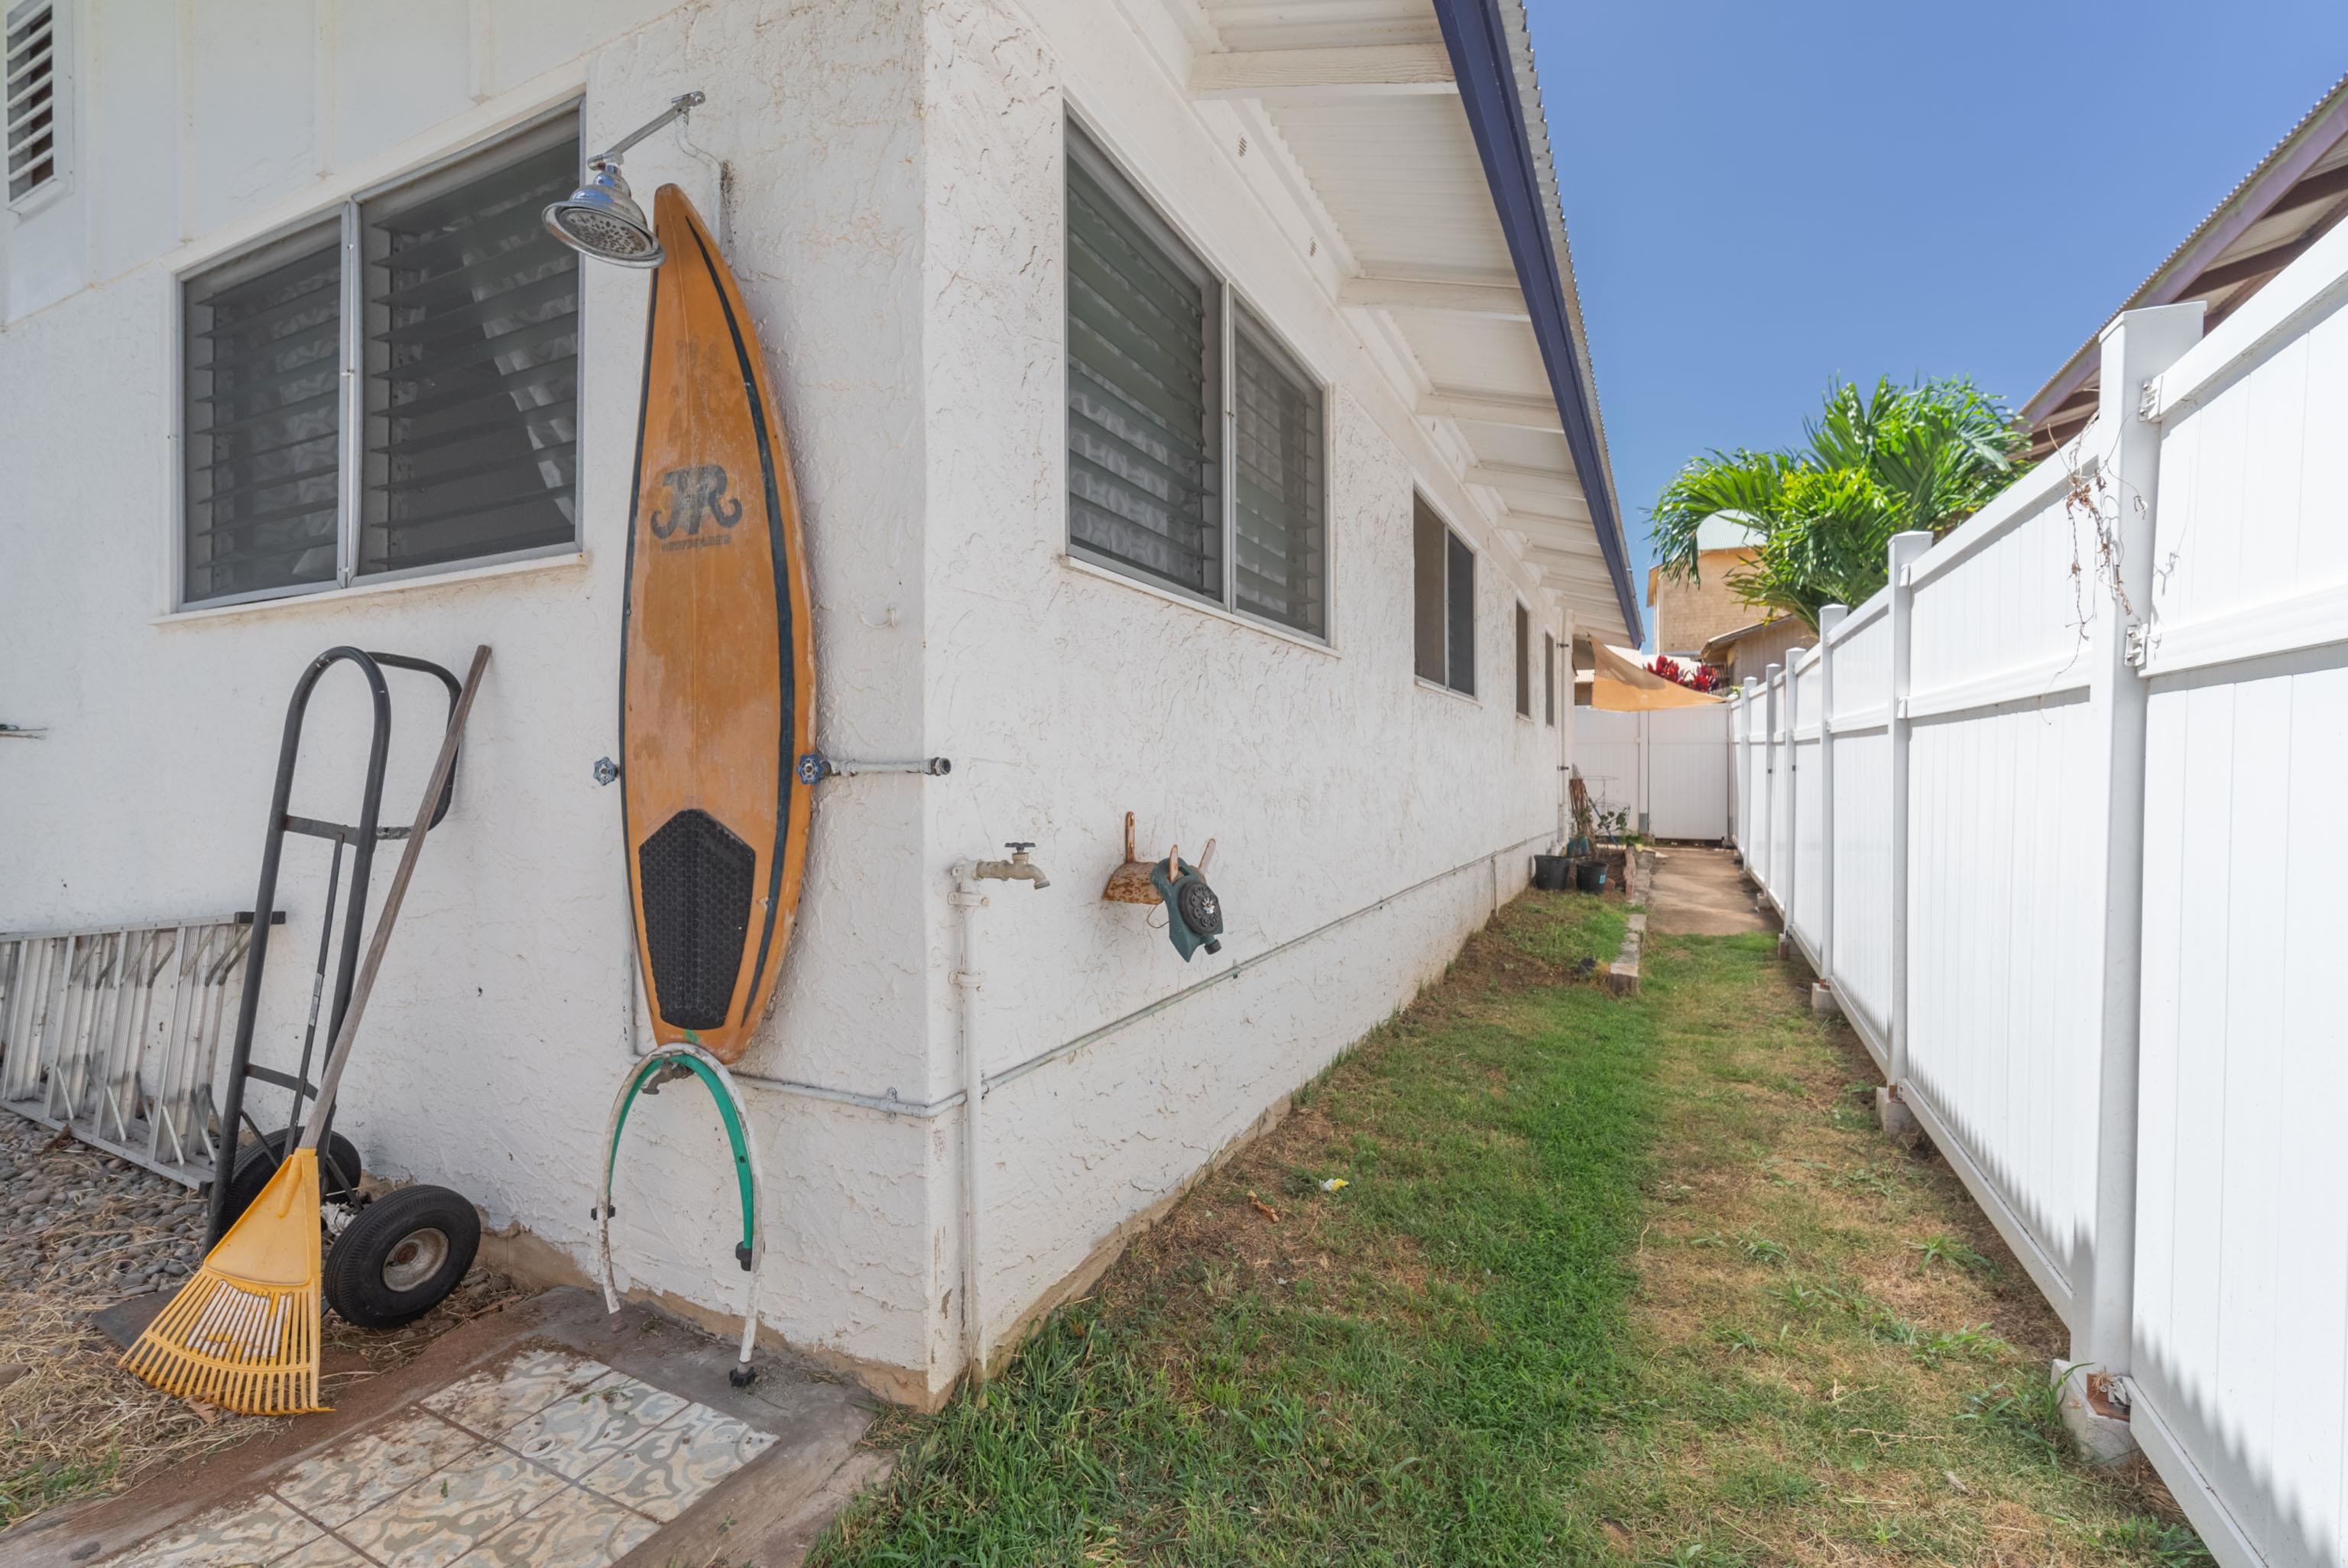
[1702, 678]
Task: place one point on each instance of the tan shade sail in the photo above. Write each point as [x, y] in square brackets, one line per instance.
[1624, 685]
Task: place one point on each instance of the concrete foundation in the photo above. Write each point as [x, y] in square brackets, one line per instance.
[1823, 1000]
[1895, 1119]
[2094, 1412]
[1622, 979]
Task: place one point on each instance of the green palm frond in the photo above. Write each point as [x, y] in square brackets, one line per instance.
[1897, 458]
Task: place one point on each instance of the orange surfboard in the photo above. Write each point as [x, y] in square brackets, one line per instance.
[716, 671]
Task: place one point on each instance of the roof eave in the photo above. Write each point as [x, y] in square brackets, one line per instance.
[1488, 57]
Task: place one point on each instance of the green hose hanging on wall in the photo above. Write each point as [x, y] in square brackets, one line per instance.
[666, 1064]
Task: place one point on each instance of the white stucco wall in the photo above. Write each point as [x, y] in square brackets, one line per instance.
[1330, 777]
[501, 1024]
[895, 223]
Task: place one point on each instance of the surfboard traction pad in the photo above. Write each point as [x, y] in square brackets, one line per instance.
[697, 877]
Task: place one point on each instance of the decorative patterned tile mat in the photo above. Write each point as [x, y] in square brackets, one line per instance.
[552, 1461]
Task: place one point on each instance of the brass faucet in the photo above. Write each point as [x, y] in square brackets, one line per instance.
[1018, 868]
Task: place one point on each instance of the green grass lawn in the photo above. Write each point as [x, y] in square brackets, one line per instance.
[1612, 1281]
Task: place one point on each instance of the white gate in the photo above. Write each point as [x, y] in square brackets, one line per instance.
[1668, 770]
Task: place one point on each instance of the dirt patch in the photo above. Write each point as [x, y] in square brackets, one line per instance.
[1702, 892]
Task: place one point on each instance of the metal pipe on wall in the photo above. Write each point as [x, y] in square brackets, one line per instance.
[967, 901]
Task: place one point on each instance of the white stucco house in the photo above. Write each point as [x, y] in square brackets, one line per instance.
[1333, 227]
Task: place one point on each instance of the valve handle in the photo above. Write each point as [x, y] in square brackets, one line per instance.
[1020, 846]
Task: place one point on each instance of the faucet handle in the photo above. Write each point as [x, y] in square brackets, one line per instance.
[1020, 846]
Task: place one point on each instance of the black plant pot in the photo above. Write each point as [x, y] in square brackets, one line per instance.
[1552, 873]
[1589, 875]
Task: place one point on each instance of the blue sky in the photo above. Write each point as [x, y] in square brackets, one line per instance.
[1764, 196]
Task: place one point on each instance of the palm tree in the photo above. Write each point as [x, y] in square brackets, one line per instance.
[1923, 457]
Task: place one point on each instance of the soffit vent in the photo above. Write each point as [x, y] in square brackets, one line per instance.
[34, 118]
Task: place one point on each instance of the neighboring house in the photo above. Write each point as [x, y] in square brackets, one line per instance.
[1747, 652]
[2294, 197]
[1691, 613]
[1037, 281]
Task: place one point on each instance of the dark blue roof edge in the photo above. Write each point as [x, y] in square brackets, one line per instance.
[1478, 44]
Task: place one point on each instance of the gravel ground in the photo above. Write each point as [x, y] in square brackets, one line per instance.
[80, 1230]
[88, 1222]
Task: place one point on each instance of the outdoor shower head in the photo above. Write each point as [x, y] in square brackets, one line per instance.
[601, 219]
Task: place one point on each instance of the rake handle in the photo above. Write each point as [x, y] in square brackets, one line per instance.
[341, 1053]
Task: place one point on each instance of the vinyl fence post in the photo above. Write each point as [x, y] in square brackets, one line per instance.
[2137, 347]
[1750, 786]
[1772, 874]
[1793, 683]
[1643, 808]
[1907, 549]
[1830, 617]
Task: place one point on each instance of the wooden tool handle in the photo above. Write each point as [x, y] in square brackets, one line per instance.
[332, 1077]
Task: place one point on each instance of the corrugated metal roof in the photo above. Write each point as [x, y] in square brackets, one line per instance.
[2259, 217]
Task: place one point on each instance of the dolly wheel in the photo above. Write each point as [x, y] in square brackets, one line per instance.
[257, 1161]
[401, 1257]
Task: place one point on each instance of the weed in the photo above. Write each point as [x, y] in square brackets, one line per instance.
[2029, 1413]
[2151, 1541]
[1932, 1347]
[1881, 1181]
[1799, 1297]
[1761, 1249]
[1701, 1555]
[1943, 1248]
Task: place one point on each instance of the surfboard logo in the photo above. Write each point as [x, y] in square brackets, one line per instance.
[697, 492]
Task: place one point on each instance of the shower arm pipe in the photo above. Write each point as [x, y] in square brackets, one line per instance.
[815, 766]
[678, 107]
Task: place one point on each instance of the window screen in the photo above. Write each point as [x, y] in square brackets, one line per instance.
[1277, 529]
[1524, 662]
[1549, 678]
[1443, 603]
[1145, 386]
[30, 109]
[1428, 542]
[1459, 597]
[263, 358]
[472, 362]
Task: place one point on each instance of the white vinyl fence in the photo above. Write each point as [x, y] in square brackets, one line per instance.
[2059, 816]
[1665, 769]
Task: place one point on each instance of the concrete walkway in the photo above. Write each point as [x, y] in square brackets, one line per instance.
[1702, 893]
[545, 1436]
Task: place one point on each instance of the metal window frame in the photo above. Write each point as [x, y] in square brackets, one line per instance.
[1236, 300]
[1549, 678]
[1522, 631]
[1230, 297]
[1475, 558]
[253, 258]
[350, 454]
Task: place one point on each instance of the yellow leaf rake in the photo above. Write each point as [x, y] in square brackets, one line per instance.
[244, 1332]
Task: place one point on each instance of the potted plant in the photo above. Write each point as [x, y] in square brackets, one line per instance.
[1585, 816]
